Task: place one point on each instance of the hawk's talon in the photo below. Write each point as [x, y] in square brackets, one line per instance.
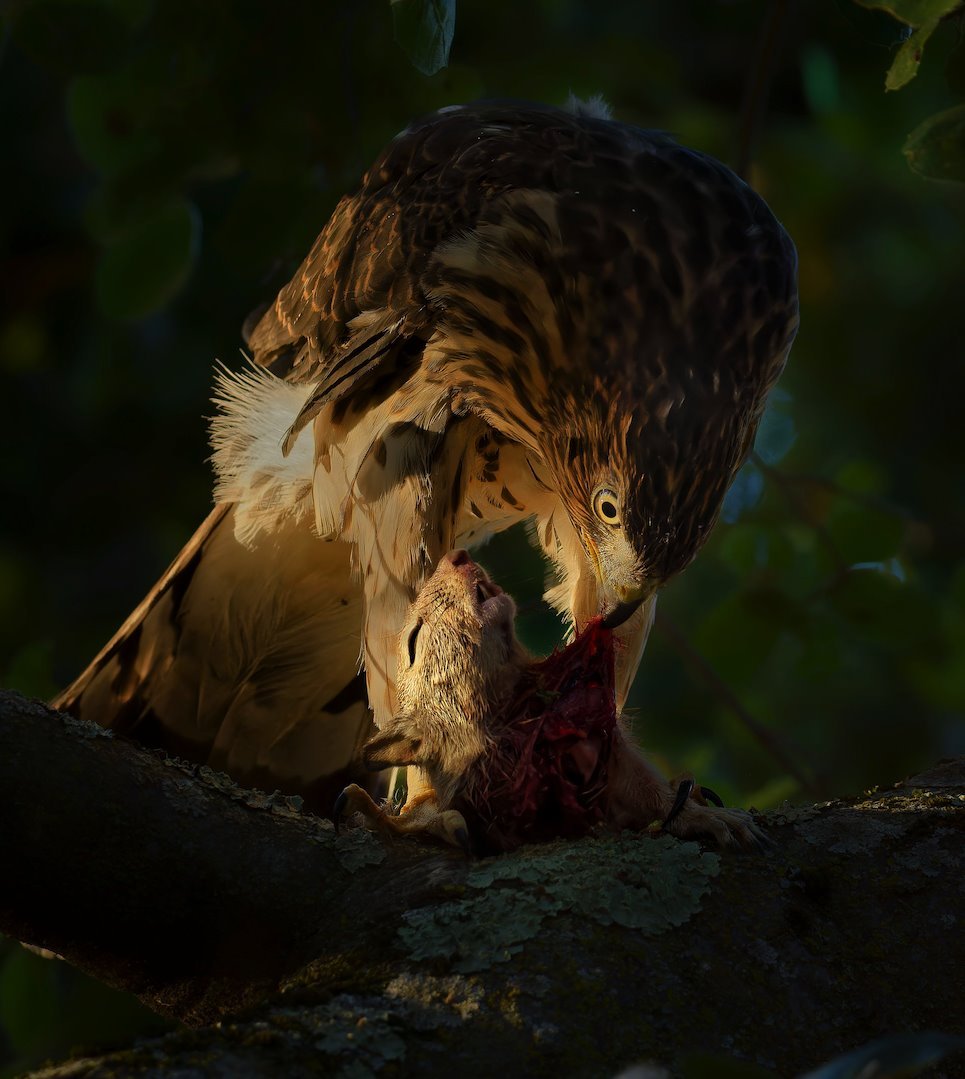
[695, 813]
[711, 796]
[680, 800]
[421, 816]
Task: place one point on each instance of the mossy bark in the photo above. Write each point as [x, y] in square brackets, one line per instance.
[322, 955]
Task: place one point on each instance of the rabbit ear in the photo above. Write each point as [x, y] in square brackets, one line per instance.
[398, 743]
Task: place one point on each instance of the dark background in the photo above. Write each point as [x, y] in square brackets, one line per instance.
[166, 166]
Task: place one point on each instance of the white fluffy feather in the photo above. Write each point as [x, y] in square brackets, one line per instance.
[255, 411]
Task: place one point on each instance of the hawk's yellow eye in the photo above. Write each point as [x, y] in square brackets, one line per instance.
[606, 505]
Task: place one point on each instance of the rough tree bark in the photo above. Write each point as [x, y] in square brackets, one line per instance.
[326, 955]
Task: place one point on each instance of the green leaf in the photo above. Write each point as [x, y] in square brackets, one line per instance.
[936, 148]
[749, 548]
[108, 119]
[147, 267]
[913, 12]
[861, 534]
[424, 28]
[923, 16]
[819, 75]
[738, 635]
[745, 548]
[860, 476]
[905, 65]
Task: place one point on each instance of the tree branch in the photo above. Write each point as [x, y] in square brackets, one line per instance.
[169, 881]
[581, 958]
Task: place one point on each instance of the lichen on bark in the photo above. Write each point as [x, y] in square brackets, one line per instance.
[630, 880]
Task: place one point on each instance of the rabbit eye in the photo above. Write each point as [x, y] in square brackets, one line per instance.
[413, 638]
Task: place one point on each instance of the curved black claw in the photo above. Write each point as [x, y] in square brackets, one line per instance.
[462, 837]
[338, 809]
[683, 793]
[712, 796]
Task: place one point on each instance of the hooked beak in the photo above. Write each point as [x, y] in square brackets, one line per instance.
[629, 600]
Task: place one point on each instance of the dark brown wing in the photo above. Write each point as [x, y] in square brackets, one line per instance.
[432, 183]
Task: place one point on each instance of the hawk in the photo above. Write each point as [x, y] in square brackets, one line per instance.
[523, 314]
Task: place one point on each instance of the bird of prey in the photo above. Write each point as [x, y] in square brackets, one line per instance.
[523, 314]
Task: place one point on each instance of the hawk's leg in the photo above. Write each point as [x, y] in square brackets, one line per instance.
[409, 783]
[420, 815]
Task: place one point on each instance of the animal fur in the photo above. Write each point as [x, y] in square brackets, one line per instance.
[478, 714]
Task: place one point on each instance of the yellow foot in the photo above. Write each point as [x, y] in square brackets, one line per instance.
[419, 816]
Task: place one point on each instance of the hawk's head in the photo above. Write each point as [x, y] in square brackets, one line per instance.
[627, 326]
[643, 483]
[682, 333]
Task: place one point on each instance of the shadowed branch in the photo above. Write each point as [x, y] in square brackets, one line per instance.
[208, 900]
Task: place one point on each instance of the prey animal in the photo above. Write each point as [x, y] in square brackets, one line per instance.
[517, 749]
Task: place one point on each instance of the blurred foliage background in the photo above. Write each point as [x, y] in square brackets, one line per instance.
[167, 165]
